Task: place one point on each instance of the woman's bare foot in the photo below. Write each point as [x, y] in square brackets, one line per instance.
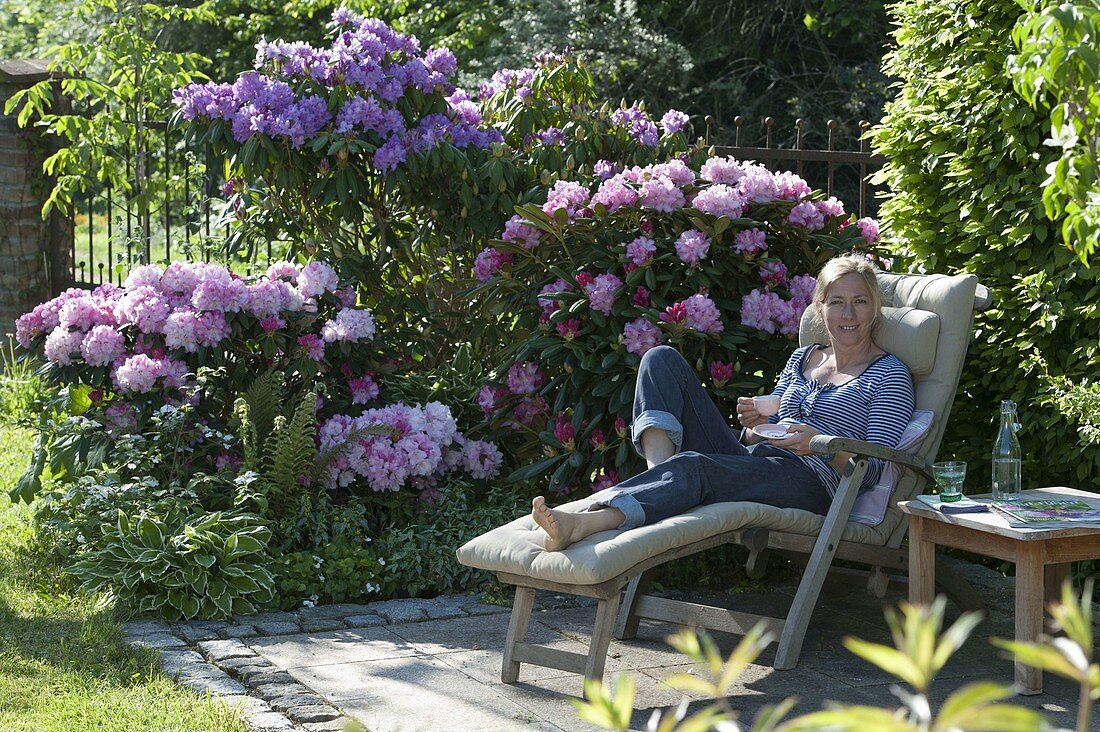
[558, 525]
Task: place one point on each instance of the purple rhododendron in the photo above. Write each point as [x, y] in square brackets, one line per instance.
[548, 305]
[640, 250]
[524, 377]
[601, 292]
[489, 262]
[673, 121]
[773, 272]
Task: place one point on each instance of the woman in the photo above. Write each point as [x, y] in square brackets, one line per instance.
[850, 388]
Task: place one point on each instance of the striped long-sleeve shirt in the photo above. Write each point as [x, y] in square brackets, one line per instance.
[874, 406]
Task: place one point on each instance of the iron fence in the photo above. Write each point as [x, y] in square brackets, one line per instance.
[183, 189]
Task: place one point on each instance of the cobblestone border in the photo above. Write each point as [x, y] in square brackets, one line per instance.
[214, 657]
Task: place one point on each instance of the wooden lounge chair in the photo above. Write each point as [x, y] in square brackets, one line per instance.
[926, 323]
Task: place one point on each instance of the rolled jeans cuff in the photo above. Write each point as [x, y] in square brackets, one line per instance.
[660, 420]
[628, 504]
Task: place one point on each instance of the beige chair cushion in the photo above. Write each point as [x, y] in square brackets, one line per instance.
[908, 333]
[517, 547]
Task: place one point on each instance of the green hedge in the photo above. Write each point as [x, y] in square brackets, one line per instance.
[966, 167]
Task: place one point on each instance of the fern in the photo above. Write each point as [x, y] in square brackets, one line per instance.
[264, 400]
[290, 452]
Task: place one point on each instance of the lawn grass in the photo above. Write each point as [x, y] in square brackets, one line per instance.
[62, 663]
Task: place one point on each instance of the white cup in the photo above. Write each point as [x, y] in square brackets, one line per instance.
[766, 405]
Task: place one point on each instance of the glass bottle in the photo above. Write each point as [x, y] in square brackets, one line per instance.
[1007, 456]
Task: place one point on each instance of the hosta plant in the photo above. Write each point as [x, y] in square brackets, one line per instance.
[183, 566]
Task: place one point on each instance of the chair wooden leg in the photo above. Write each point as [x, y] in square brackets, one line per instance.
[606, 611]
[805, 598]
[626, 626]
[878, 581]
[517, 628]
[756, 566]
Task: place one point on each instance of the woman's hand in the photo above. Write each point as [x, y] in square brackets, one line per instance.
[747, 414]
[797, 439]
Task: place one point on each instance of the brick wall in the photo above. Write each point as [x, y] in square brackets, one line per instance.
[35, 254]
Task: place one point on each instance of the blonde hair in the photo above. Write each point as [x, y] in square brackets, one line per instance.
[846, 264]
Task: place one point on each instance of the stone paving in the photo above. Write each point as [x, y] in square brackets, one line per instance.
[435, 664]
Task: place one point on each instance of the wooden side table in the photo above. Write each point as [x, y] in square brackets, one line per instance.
[1042, 558]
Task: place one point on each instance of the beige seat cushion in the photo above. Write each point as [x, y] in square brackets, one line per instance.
[517, 547]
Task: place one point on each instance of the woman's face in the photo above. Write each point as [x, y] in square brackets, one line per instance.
[849, 312]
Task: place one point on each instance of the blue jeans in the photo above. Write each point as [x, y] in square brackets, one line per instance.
[711, 464]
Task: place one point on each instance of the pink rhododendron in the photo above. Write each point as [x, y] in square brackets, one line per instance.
[673, 121]
[489, 398]
[83, 313]
[721, 372]
[568, 195]
[620, 427]
[563, 431]
[225, 295]
[641, 335]
[568, 329]
[597, 440]
[757, 308]
[702, 315]
[869, 229]
[518, 231]
[675, 170]
[791, 187]
[720, 200]
[807, 216]
[142, 306]
[662, 194]
[62, 344]
[313, 345]
[614, 194]
[831, 206]
[317, 278]
[145, 275]
[641, 297]
[692, 246]
[102, 346]
[350, 325]
[750, 241]
[758, 184]
[283, 271]
[722, 170]
[481, 459]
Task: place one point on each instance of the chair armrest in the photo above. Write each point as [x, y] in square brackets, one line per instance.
[830, 444]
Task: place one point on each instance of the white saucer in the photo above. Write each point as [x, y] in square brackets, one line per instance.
[772, 431]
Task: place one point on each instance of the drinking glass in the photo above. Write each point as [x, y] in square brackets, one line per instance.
[950, 476]
[766, 405]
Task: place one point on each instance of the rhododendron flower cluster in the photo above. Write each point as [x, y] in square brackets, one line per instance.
[355, 86]
[416, 442]
[149, 331]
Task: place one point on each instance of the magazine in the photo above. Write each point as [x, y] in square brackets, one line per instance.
[1049, 512]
